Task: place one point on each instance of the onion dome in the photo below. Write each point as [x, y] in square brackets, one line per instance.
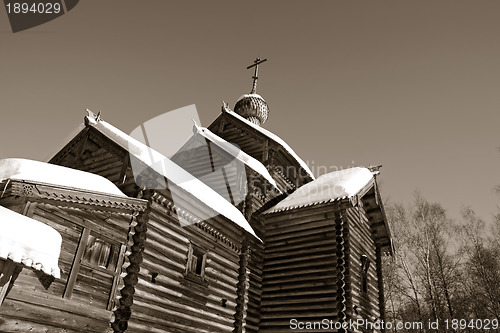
[253, 108]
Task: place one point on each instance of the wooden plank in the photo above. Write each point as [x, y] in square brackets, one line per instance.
[26, 311]
[118, 269]
[58, 303]
[68, 291]
[14, 325]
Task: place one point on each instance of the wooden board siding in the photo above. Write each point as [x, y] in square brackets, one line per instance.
[364, 305]
[251, 143]
[92, 152]
[31, 306]
[300, 267]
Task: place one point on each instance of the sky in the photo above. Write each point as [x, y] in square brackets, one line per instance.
[413, 86]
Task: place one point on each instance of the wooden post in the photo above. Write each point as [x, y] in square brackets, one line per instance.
[75, 268]
[138, 236]
[243, 286]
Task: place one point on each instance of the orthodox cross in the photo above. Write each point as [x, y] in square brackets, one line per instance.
[255, 77]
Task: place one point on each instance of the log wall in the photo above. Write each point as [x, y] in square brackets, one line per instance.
[300, 267]
[78, 302]
[165, 299]
[364, 304]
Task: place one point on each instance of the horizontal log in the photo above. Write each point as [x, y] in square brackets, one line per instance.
[327, 273]
[294, 214]
[187, 319]
[299, 314]
[270, 239]
[303, 284]
[310, 258]
[55, 312]
[13, 325]
[308, 248]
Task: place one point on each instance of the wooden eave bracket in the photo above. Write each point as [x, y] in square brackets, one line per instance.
[379, 226]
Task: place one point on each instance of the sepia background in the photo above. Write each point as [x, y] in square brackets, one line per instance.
[413, 86]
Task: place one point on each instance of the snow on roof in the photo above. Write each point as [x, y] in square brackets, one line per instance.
[173, 172]
[328, 187]
[249, 95]
[23, 169]
[237, 153]
[30, 242]
[275, 138]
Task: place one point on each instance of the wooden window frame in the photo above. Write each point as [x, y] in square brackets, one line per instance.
[191, 275]
[365, 266]
[78, 262]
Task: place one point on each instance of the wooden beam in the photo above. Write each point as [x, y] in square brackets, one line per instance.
[77, 261]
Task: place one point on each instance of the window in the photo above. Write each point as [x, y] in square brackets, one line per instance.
[100, 253]
[195, 264]
[96, 269]
[365, 265]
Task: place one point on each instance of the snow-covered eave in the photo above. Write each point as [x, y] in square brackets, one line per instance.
[29, 242]
[172, 172]
[56, 175]
[244, 226]
[74, 195]
[248, 160]
[350, 198]
[275, 138]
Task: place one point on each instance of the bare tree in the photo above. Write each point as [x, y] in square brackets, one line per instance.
[426, 261]
[482, 268]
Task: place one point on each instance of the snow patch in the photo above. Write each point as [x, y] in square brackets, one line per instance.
[41, 172]
[328, 187]
[237, 153]
[249, 95]
[29, 242]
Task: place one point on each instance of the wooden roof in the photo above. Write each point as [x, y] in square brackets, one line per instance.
[364, 193]
[260, 143]
[196, 196]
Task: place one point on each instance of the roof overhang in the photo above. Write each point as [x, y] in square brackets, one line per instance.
[209, 203]
[29, 242]
[67, 196]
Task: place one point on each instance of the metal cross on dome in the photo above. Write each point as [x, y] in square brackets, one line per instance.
[255, 77]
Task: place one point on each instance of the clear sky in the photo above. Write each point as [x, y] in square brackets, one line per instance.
[411, 85]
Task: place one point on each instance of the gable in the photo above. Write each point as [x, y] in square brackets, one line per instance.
[285, 166]
[132, 166]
